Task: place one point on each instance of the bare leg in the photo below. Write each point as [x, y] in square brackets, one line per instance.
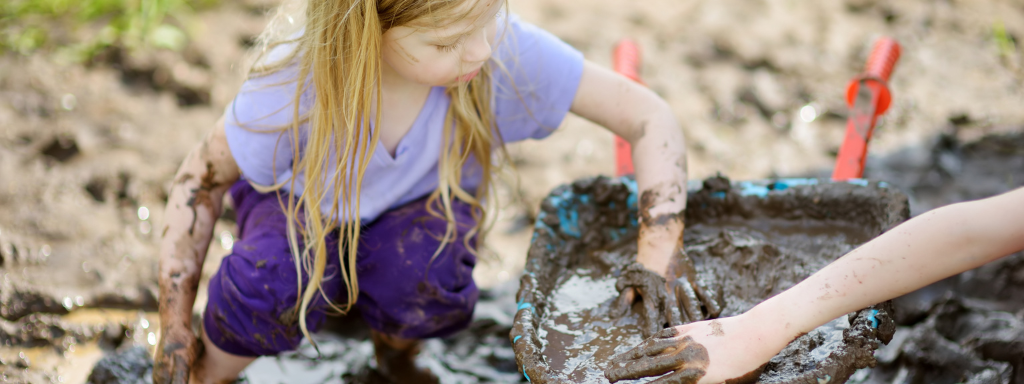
[396, 359]
[216, 366]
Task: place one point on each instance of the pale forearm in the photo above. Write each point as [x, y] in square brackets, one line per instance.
[928, 248]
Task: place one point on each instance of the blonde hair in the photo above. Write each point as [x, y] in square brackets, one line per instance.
[339, 50]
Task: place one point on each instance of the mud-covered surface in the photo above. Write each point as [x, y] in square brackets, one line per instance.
[748, 241]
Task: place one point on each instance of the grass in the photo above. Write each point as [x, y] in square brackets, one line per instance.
[83, 27]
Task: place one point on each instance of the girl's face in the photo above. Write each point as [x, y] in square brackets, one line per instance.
[443, 56]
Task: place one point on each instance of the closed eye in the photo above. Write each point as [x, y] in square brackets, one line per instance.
[449, 47]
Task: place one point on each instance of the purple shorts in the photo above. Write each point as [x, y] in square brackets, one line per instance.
[401, 292]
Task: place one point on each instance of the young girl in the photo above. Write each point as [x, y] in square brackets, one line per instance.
[358, 155]
[921, 251]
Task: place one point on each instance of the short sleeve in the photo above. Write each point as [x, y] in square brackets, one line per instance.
[255, 122]
[536, 87]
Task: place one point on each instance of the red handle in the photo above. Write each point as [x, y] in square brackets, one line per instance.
[625, 61]
[883, 58]
[880, 64]
[874, 100]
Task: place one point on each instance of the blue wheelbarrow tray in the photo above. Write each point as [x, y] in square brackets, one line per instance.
[749, 240]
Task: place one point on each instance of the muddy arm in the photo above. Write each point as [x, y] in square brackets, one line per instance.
[640, 116]
[192, 209]
[644, 119]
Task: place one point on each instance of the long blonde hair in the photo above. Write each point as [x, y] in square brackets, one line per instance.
[340, 49]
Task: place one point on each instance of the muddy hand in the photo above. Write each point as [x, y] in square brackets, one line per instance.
[689, 291]
[175, 354]
[660, 307]
[667, 351]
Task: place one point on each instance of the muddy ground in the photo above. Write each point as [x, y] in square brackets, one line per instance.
[87, 151]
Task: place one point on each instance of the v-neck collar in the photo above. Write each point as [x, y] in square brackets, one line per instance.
[425, 111]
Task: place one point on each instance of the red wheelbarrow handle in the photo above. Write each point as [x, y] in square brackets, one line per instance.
[625, 61]
[868, 97]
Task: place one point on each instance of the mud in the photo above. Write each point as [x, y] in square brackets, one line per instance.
[132, 365]
[748, 241]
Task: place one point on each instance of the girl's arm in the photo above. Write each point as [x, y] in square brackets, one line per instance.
[641, 117]
[923, 250]
[645, 120]
[192, 209]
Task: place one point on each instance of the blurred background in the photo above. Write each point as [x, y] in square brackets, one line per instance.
[101, 100]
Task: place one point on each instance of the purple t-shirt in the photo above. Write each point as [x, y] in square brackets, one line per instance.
[545, 71]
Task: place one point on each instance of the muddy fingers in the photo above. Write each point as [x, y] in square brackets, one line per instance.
[686, 300]
[658, 309]
[686, 359]
[621, 305]
[686, 376]
[709, 296]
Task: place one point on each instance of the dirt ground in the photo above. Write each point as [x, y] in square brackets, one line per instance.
[87, 151]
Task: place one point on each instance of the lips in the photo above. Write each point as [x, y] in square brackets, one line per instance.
[469, 76]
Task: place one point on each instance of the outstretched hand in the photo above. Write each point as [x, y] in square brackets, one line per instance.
[698, 353]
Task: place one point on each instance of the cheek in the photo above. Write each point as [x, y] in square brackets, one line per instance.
[435, 70]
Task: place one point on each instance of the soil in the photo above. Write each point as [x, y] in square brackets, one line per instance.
[87, 150]
[748, 241]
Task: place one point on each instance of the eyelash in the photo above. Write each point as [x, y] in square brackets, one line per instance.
[449, 47]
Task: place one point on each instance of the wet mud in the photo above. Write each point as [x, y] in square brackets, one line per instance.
[133, 365]
[747, 240]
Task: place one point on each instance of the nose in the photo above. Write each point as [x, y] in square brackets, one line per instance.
[478, 48]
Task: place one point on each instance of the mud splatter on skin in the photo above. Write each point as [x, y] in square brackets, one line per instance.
[716, 328]
[201, 195]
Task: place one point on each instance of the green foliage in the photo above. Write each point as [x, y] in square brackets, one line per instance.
[28, 25]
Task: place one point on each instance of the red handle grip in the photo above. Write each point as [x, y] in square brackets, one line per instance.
[883, 58]
[880, 64]
[626, 59]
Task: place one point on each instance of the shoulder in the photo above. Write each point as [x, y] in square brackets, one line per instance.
[268, 97]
